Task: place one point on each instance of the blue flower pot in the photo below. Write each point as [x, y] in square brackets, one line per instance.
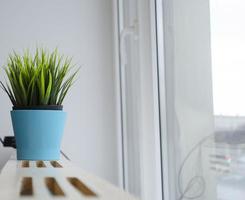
[38, 133]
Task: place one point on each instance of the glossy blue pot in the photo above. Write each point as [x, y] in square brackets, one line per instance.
[38, 133]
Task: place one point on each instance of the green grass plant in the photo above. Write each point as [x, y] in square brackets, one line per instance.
[42, 78]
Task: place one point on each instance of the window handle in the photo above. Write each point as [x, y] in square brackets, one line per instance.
[127, 32]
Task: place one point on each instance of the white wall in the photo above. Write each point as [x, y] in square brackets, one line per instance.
[82, 29]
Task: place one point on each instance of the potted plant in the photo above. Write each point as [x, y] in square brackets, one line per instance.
[37, 85]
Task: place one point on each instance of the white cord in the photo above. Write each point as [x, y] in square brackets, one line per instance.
[194, 180]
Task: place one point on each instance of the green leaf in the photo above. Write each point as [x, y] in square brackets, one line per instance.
[42, 86]
[48, 91]
[23, 90]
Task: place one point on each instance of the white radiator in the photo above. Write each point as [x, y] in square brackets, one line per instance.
[44, 180]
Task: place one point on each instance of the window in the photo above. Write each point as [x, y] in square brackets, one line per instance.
[228, 60]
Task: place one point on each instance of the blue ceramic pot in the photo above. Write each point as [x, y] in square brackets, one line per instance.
[38, 133]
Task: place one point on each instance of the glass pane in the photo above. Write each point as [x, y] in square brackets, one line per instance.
[205, 99]
[228, 45]
[228, 61]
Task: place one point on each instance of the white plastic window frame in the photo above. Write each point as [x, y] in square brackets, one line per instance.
[157, 39]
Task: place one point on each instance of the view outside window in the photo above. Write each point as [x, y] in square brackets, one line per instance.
[228, 71]
[228, 56]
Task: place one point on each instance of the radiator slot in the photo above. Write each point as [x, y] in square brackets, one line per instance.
[80, 186]
[26, 187]
[40, 164]
[25, 164]
[54, 187]
[55, 164]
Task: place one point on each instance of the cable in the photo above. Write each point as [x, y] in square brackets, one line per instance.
[1, 140]
[66, 157]
[193, 180]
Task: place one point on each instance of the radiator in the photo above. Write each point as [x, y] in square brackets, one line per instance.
[44, 180]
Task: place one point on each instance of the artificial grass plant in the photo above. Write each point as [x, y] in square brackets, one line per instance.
[43, 78]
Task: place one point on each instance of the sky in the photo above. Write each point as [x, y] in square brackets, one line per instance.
[228, 56]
